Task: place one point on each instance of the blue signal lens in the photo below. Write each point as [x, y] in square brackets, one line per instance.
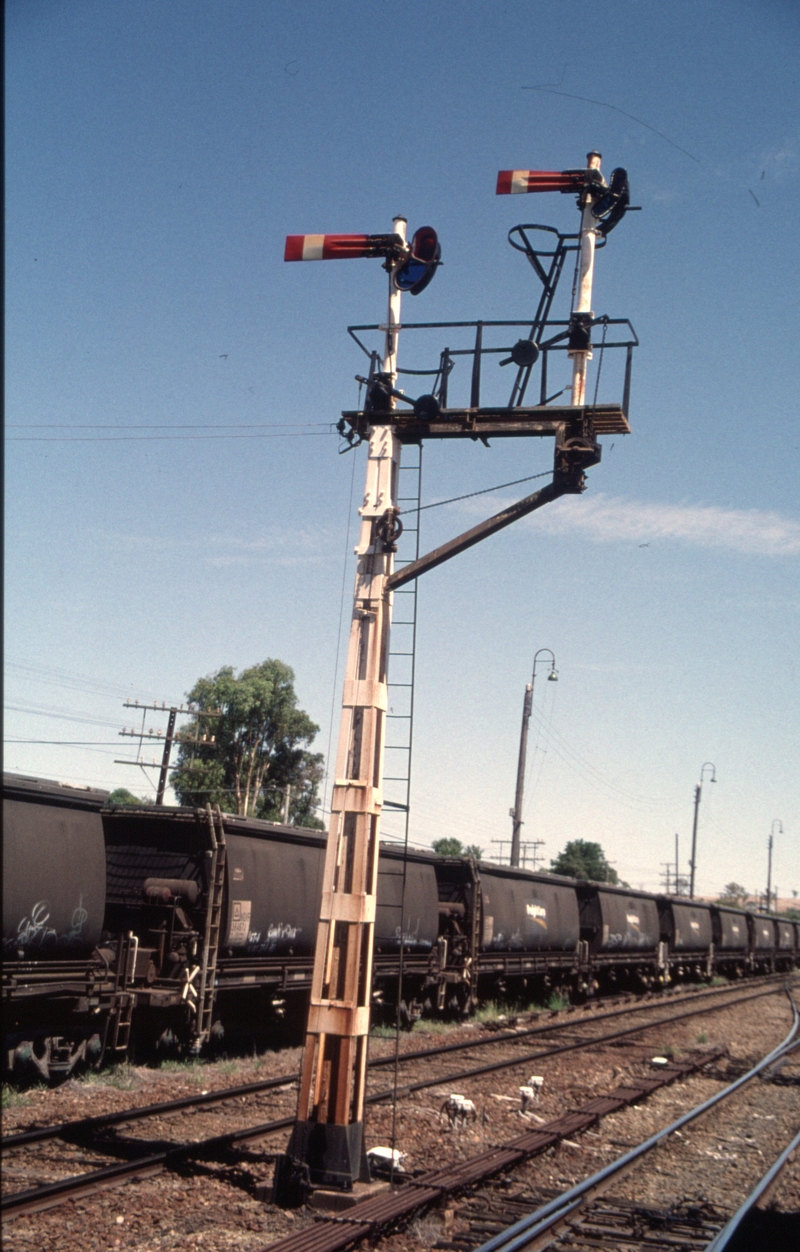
[410, 274]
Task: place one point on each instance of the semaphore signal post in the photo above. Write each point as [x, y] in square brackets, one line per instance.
[326, 1148]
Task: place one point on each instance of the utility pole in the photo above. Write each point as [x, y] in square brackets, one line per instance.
[665, 874]
[527, 848]
[777, 822]
[527, 706]
[326, 1147]
[168, 739]
[698, 791]
[677, 867]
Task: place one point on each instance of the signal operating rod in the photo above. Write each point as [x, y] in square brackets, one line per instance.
[582, 312]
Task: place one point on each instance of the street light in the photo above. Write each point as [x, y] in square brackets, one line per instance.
[697, 793]
[516, 812]
[776, 822]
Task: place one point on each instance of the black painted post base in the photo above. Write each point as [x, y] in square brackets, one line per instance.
[320, 1154]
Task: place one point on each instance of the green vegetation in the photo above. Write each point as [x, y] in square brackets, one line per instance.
[123, 1077]
[454, 847]
[557, 1002]
[12, 1098]
[583, 859]
[244, 759]
[122, 796]
[702, 1037]
[735, 895]
[432, 1026]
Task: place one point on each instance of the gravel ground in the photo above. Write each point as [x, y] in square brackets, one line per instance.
[214, 1207]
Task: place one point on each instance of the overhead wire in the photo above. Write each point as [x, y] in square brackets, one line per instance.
[581, 763]
[61, 715]
[325, 807]
[285, 434]
[483, 492]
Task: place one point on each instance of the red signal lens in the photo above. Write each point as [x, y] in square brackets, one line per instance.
[425, 244]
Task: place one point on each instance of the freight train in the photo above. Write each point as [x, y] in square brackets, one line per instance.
[127, 929]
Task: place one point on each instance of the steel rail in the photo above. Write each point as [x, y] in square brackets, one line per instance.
[523, 1232]
[88, 1125]
[509, 1063]
[51, 1193]
[383, 1212]
[723, 1240]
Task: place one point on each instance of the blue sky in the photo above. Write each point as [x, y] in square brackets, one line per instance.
[174, 497]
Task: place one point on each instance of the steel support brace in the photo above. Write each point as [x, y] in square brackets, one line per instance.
[470, 537]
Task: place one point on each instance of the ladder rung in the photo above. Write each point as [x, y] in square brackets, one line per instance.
[399, 684]
[397, 747]
[401, 654]
[394, 778]
[402, 716]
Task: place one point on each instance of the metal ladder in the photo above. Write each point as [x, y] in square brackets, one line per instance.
[402, 648]
[211, 933]
[122, 1013]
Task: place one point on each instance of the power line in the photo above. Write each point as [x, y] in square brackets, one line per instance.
[66, 743]
[62, 716]
[286, 434]
[165, 425]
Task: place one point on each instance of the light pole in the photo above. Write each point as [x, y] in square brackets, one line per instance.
[516, 812]
[776, 822]
[697, 793]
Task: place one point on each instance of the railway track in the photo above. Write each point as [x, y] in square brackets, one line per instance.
[222, 1146]
[83, 1128]
[579, 1220]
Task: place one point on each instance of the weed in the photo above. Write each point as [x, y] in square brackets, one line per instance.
[702, 1037]
[123, 1077]
[382, 1031]
[490, 1012]
[13, 1099]
[557, 1002]
[432, 1026]
[426, 1230]
[719, 981]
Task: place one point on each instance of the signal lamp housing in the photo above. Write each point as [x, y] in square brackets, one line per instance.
[414, 274]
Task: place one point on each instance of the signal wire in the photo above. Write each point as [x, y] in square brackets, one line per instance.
[483, 492]
[324, 806]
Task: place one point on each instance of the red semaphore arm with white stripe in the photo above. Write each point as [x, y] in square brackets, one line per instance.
[335, 247]
[517, 182]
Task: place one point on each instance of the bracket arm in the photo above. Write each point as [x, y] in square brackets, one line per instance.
[470, 537]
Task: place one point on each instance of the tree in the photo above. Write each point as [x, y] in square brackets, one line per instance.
[259, 746]
[454, 847]
[735, 894]
[122, 796]
[583, 859]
